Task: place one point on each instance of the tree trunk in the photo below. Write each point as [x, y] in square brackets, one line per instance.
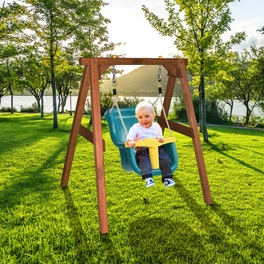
[53, 85]
[63, 103]
[248, 113]
[200, 110]
[59, 103]
[38, 104]
[203, 127]
[55, 115]
[231, 111]
[12, 99]
[42, 106]
[91, 121]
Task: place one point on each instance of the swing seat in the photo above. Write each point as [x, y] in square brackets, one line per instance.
[153, 145]
[118, 136]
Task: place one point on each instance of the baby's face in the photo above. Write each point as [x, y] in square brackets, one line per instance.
[145, 117]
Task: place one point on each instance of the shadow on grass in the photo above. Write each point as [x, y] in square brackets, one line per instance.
[235, 130]
[221, 240]
[79, 235]
[240, 232]
[159, 240]
[220, 151]
[253, 151]
[30, 182]
[84, 254]
[23, 131]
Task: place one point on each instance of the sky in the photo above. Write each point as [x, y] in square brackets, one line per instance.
[129, 26]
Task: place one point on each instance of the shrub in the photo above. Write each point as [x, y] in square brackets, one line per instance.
[32, 109]
[261, 105]
[256, 120]
[215, 112]
[7, 109]
[107, 101]
[128, 102]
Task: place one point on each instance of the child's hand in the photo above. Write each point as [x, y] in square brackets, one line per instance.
[131, 143]
[161, 139]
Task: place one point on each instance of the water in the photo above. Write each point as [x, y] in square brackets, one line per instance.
[27, 101]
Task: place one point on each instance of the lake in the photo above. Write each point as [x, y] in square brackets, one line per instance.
[27, 101]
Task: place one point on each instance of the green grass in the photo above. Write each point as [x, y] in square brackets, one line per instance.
[42, 223]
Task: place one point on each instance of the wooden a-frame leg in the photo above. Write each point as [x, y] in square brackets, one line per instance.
[169, 94]
[98, 148]
[75, 127]
[196, 139]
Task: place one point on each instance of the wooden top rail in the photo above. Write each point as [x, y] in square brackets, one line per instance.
[134, 61]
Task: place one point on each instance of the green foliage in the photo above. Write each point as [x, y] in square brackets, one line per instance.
[43, 223]
[7, 109]
[32, 109]
[12, 22]
[261, 105]
[197, 27]
[215, 113]
[76, 27]
[247, 78]
[107, 101]
[197, 31]
[128, 102]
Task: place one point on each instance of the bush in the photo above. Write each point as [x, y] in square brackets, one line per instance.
[107, 101]
[32, 109]
[215, 112]
[261, 105]
[128, 102]
[256, 120]
[7, 109]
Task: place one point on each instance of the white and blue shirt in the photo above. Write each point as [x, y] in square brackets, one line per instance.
[137, 132]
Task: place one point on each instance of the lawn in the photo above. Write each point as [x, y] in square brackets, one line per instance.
[42, 223]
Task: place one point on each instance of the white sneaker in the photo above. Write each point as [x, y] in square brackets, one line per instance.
[168, 182]
[149, 182]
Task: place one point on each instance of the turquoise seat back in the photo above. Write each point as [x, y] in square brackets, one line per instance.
[118, 136]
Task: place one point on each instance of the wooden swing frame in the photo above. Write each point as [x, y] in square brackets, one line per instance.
[93, 69]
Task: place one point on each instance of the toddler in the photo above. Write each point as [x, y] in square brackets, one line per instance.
[147, 128]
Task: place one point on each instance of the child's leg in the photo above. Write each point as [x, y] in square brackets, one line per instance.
[143, 161]
[165, 164]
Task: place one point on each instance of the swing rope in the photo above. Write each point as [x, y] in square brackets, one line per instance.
[115, 104]
[160, 97]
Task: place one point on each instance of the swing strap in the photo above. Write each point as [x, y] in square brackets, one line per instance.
[115, 104]
[163, 110]
[160, 97]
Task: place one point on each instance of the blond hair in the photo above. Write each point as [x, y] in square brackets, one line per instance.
[144, 105]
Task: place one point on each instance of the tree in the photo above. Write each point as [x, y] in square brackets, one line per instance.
[12, 22]
[197, 26]
[222, 85]
[258, 57]
[58, 23]
[12, 37]
[2, 84]
[68, 79]
[34, 76]
[261, 70]
[9, 83]
[247, 80]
